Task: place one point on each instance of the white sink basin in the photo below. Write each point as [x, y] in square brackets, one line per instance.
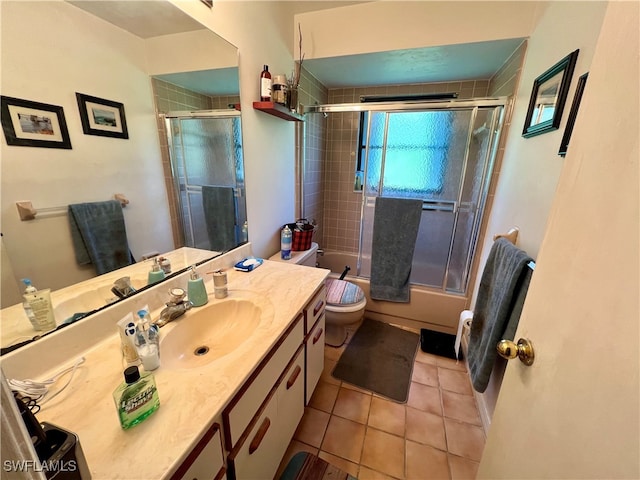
[82, 302]
[208, 333]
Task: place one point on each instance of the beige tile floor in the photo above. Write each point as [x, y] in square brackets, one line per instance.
[437, 434]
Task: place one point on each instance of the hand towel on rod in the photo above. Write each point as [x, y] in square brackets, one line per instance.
[99, 235]
[501, 294]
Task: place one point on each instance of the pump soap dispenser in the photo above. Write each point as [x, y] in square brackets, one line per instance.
[196, 290]
[156, 274]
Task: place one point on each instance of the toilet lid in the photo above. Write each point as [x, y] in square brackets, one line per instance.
[341, 292]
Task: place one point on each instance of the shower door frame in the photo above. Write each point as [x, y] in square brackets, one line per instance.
[186, 114]
[495, 131]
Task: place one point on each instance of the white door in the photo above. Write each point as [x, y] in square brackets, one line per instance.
[574, 412]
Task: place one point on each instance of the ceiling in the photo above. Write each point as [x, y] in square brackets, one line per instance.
[419, 65]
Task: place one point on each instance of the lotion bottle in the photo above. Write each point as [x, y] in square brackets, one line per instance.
[39, 302]
[27, 308]
[156, 274]
[196, 289]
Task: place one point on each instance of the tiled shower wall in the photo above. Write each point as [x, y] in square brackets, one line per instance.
[342, 205]
[171, 98]
[312, 92]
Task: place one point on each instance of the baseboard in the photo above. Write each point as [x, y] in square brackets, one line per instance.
[481, 400]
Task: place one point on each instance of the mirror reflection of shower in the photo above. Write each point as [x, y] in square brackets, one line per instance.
[207, 167]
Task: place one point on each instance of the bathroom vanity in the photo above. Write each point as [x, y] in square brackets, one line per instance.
[229, 416]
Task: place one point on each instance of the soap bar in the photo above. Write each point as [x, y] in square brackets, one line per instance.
[248, 264]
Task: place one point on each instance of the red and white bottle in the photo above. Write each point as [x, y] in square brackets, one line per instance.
[265, 85]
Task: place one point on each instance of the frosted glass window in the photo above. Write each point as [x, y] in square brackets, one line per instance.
[415, 156]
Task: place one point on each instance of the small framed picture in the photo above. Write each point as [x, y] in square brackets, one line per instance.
[33, 124]
[548, 97]
[102, 117]
[573, 113]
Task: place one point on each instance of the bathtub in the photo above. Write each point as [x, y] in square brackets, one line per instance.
[428, 308]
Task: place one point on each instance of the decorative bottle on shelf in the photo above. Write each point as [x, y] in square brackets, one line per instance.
[286, 238]
[265, 85]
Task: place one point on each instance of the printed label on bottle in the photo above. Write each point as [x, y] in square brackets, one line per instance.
[265, 87]
[129, 405]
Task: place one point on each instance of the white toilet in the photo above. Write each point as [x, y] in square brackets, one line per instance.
[345, 306]
[345, 300]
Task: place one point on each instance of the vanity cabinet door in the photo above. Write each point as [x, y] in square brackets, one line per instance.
[206, 461]
[314, 350]
[314, 310]
[245, 404]
[290, 403]
[260, 450]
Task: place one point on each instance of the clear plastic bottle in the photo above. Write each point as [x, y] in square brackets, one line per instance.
[27, 307]
[38, 307]
[136, 398]
[147, 341]
[286, 239]
[265, 84]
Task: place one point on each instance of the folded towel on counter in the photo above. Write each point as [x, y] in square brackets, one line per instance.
[219, 207]
[99, 235]
[501, 294]
[395, 229]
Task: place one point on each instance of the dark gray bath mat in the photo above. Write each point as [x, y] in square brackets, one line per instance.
[379, 358]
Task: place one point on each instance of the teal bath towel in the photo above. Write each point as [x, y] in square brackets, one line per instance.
[501, 294]
[395, 229]
[99, 235]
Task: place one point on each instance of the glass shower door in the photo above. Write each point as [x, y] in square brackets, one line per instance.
[434, 156]
[208, 174]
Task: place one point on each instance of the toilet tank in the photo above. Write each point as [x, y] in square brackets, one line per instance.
[305, 257]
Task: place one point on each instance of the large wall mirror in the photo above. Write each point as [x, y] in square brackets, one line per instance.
[177, 81]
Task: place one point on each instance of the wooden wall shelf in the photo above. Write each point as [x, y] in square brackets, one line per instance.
[278, 110]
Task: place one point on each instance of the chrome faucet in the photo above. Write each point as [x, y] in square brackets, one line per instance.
[175, 307]
[122, 287]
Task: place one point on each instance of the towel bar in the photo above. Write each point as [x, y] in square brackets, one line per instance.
[511, 235]
[27, 212]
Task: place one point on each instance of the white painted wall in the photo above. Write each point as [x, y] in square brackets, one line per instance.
[262, 31]
[43, 60]
[206, 50]
[395, 25]
[531, 166]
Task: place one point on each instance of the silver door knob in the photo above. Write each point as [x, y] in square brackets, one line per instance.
[523, 350]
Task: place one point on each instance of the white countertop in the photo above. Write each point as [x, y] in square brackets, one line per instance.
[190, 399]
